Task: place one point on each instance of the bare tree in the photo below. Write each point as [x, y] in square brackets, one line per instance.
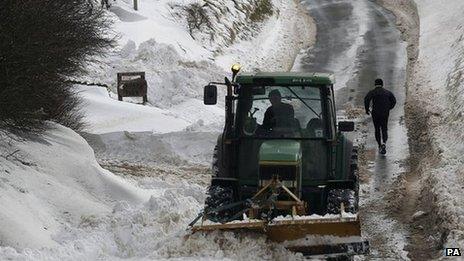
[42, 44]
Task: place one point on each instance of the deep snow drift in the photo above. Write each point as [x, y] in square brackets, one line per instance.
[63, 205]
[50, 181]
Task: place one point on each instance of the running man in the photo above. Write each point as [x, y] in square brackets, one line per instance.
[382, 102]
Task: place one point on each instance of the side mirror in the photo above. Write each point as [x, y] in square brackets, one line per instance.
[346, 126]
[210, 95]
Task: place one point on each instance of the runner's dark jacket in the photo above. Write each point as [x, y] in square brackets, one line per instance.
[383, 101]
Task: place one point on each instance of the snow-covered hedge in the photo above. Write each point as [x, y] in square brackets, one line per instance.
[41, 44]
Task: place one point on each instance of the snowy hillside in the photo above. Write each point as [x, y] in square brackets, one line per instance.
[179, 60]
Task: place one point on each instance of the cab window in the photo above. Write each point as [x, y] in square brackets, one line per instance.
[281, 111]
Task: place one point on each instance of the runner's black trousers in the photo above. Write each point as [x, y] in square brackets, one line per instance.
[381, 128]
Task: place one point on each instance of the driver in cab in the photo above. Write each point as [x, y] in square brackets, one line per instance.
[279, 114]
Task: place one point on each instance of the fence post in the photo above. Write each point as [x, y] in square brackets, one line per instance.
[136, 5]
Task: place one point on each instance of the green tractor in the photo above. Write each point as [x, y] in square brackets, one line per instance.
[282, 165]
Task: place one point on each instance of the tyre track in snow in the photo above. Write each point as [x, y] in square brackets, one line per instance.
[359, 41]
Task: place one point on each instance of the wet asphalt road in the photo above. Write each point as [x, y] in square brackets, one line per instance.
[357, 40]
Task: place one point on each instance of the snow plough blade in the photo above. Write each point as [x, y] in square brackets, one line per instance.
[313, 236]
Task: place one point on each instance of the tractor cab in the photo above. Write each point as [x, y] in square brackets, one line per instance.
[283, 124]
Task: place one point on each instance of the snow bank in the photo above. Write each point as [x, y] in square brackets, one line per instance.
[438, 99]
[50, 180]
[277, 45]
[59, 204]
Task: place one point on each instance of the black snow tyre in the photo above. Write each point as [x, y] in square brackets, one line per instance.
[354, 175]
[346, 196]
[215, 167]
[219, 196]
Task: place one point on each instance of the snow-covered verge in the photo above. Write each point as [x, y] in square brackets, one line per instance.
[435, 110]
[181, 55]
[277, 45]
[52, 179]
[59, 204]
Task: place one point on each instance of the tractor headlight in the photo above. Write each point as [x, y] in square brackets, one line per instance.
[236, 68]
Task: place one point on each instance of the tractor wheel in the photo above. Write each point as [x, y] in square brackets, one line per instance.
[217, 166]
[219, 196]
[349, 197]
[354, 164]
[346, 196]
[355, 174]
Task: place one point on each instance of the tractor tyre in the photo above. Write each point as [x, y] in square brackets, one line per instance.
[217, 166]
[355, 174]
[349, 197]
[354, 164]
[219, 196]
[346, 196]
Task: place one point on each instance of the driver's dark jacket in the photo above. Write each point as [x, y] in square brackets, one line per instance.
[276, 114]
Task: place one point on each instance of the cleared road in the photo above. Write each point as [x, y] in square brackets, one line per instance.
[358, 41]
